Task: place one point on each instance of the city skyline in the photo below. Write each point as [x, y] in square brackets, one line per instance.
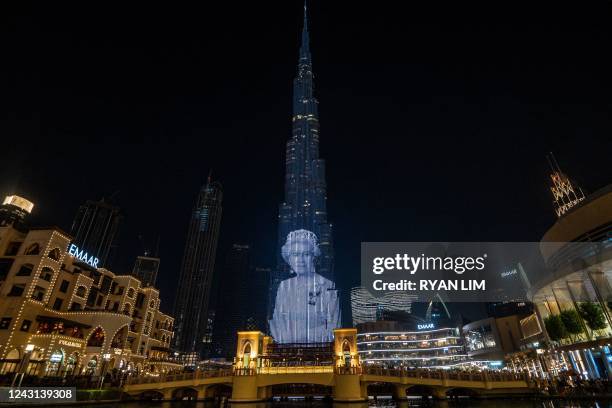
[493, 153]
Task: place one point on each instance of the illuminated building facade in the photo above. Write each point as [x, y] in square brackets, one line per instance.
[384, 344]
[304, 208]
[577, 291]
[191, 306]
[488, 341]
[96, 227]
[14, 210]
[66, 317]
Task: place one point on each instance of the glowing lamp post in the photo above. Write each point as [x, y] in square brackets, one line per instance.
[105, 359]
[23, 364]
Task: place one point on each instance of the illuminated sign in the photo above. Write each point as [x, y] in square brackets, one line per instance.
[69, 343]
[56, 357]
[425, 326]
[509, 273]
[83, 256]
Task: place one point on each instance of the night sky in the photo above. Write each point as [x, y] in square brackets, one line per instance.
[434, 122]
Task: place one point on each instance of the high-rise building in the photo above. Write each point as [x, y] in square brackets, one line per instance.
[365, 307]
[145, 269]
[14, 210]
[232, 307]
[95, 229]
[303, 213]
[191, 305]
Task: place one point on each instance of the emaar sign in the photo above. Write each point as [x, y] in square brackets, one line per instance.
[425, 326]
[83, 256]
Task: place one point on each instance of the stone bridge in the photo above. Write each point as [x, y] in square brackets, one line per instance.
[259, 366]
[347, 384]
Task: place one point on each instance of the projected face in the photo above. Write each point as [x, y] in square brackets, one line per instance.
[305, 310]
[301, 259]
[300, 251]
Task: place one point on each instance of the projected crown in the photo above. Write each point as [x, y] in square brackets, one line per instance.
[302, 234]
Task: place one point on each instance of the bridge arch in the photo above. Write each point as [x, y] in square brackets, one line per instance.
[218, 390]
[424, 391]
[380, 388]
[185, 393]
[151, 395]
[462, 391]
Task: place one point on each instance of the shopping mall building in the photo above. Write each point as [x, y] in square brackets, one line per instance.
[60, 314]
[573, 301]
[388, 344]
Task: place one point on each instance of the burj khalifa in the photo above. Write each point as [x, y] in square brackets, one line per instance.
[305, 203]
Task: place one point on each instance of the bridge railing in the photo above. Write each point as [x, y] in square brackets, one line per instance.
[295, 370]
[493, 376]
[180, 377]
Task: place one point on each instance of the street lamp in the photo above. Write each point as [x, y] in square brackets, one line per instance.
[105, 359]
[23, 364]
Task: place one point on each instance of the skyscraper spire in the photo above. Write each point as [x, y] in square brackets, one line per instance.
[305, 48]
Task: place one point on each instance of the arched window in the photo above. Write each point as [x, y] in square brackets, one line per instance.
[33, 249]
[130, 293]
[119, 338]
[126, 309]
[54, 254]
[246, 355]
[38, 293]
[25, 270]
[46, 274]
[80, 292]
[96, 339]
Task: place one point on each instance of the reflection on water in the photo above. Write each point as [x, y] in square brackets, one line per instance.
[461, 403]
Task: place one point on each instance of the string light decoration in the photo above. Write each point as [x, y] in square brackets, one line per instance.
[565, 194]
[44, 261]
[105, 320]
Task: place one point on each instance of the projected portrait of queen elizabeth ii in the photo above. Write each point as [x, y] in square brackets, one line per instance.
[306, 308]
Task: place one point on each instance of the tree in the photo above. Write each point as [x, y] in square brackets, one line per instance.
[593, 315]
[555, 328]
[571, 321]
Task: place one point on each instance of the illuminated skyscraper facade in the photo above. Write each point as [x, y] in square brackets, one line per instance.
[95, 229]
[304, 206]
[193, 294]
